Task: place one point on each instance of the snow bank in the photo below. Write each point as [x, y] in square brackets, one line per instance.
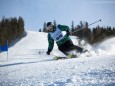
[108, 46]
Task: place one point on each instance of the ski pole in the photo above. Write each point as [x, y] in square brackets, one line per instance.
[88, 25]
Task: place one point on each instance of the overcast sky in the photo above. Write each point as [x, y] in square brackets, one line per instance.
[36, 12]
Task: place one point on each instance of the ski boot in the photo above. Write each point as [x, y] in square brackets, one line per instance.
[56, 58]
[71, 56]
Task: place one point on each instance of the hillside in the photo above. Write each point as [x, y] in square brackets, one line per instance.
[28, 65]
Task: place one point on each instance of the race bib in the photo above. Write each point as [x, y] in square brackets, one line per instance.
[57, 35]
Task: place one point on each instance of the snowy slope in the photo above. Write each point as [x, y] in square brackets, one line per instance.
[28, 65]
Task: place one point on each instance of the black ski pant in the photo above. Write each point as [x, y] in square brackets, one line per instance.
[69, 46]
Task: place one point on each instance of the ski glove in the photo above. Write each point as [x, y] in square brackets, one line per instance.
[67, 33]
[48, 53]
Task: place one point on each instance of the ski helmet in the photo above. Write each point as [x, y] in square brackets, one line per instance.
[49, 23]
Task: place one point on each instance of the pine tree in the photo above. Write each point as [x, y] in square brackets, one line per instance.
[44, 27]
[86, 24]
[10, 29]
[114, 31]
[3, 31]
[72, 27]
[0, 33]
[20, 26]
[55, 24]
[40, 30]
[81, 24]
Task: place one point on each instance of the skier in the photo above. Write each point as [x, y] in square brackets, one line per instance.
[63, 42]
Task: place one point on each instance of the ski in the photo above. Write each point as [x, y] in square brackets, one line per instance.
[59, 57]
[63, 57]
[70, 56]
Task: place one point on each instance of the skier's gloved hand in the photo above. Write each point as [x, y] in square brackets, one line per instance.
[67, 33]
[48, 53]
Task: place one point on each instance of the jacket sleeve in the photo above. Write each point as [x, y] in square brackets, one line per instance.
[50, 43]
[64, 28]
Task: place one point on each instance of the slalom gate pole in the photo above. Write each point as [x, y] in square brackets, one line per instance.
[84, 27]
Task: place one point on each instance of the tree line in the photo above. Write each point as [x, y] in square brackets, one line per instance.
[91, 35]
[11, 29]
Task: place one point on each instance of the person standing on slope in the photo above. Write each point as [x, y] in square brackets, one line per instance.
[63, 42]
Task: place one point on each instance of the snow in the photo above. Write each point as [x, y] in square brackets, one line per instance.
[28, 65]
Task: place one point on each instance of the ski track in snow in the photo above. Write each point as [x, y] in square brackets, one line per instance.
[26, 67]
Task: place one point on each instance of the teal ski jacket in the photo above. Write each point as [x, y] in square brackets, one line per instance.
[57, 36]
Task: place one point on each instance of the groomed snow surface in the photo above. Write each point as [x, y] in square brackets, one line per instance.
[28, 65]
